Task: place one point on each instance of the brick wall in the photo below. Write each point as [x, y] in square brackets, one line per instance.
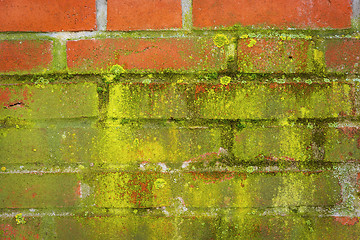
[179, 119]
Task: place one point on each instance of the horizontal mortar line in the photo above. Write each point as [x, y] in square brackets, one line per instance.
[24, 122]
[32, 214]
[200, 120]
[170, 211]
[39, 171]
[255, 33]
[173, 211]
[262, 78]
[135, 168]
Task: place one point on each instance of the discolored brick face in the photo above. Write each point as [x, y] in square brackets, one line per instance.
[179, 119]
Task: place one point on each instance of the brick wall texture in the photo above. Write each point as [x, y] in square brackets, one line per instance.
[179, 119]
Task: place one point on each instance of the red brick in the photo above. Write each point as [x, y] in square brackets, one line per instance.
[47, 16]
[38, 190]
[273, 55]
[278, 13]
[25, 56]
[342, 55]
[156, 54]
[143, 14]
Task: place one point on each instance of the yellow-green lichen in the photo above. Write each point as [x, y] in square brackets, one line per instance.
[221, 40]
[117, 70]
[20, 219]
[225, 80]
[252, 43]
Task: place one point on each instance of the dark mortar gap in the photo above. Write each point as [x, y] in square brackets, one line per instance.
[103, 96]
[227, 142]
[318, 140]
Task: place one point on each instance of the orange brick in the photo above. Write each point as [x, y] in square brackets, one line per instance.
[277, 13]
[273, 55]
[25, 56]
[47, 16]
[154, 54]
[143, 14]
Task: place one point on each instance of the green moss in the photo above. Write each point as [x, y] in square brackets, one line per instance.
[252, 43]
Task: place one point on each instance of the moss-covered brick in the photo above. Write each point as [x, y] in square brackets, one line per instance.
[32, 229]
[234, 101]
[95, 55]
[130, 189]
[290, 143]
[18, 145]
[285, 227]
[342, 144]
[49, 145]
[275, 13]
[235, 225]
[76, 144]
[47, 16]
[273, 101]
[341, 55]
[39, 190]
[155, 142]
[274, 55]
[130, 226]
[157, 100]
[25, 56]
[44, 100]
[233, 189]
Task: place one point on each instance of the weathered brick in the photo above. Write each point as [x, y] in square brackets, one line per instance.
[215, 226]
[269, 101]
[342, 144]
[56, 144]
[278, 13]
[143, 14]
[32, 229]
[46, 101]
[133, 143]
[76, 143]
[341, 55]
[233, 189]
[234, 101]
[131, 226]
[23, 146]
[144, 54]
[290, 143]
[274, 55]
[131, 189]
[215, 189]
[149, 101]
[39, 190]
[47, 16]
[25, 56]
